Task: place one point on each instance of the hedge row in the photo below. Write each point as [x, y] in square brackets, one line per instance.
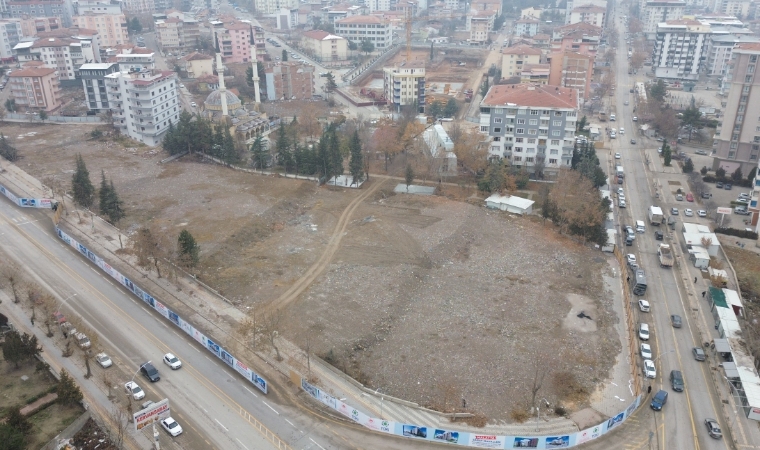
[738, 233]
[741, 183]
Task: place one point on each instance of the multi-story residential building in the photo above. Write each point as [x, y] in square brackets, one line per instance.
[531, 13]
[274, 6]
[656, 12]
[535, 73]
[378, 5]
[94, 82]
[737, 143]
[323, 46]
[365, 28]
[289, 80]
[480, 25]
[198, 65]
[738, 8]
[143, 103]
[111, 28]
[135, 7]
[680, 49]
[405, 85]
[36, 89]
[572, 70]
[97, 7]
[526, 27]
[32, 25]
[65, 54]
[10, 35]
[754, 201]
[720, 50]
[41, 8]
[591, 14]
[136, 62]
[531, 126]
[580, 38]
[167, 33]
[234, 40]
[572, 4]
[542, 41]
[514, 58]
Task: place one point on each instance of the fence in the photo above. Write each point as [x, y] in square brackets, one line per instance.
[57, 119]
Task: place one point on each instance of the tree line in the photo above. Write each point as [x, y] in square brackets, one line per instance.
[195, 134]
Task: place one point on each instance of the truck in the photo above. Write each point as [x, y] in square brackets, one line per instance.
[468, 95]
[602, 116]
[655, 215]
[619, 172]
[666, 256]
[639, 284]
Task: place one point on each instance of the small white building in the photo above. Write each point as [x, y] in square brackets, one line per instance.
[441, 149]
[510, 203]
[700, 257]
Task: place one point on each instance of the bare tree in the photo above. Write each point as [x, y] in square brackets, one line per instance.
[11, 276]
[152, 245]
[108, 381]
[270, 326]
[117, 429]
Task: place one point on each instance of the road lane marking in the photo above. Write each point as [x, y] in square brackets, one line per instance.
[286, 420]
[241, 443]
[275, 411]
[220, 424]
[315, 443]
[254, 394]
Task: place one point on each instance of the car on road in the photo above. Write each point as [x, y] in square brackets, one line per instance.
[713, 429]
[689, 197]
[674, 211]
[719, 185]
[698, 353]
[676, 380]
[622, 130]
[659, 400]
[171, 426]
[629, 231]
[702, 213]
[728, 186]
[621, 203]
[193, 104]
[646, 351]
[643, 305]
[617, 155]
[633, 141]
[132, 388]
[630, 259]
[635, 119]
[701, 152]
[675, 320]
[181, 85]
[625, 103]
[688, 212]
[643, 332]
[649, 369]
[620, 191]
[172, 361]
[658, 235]
[150, 372]
[103, 360]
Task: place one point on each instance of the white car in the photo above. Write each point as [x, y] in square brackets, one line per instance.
[646, 351]
[103, 360]
[702, 213]
[688, 213]
[617, 155]
[171, 426]
[621, 191]
[622, 130]
[181, 85]
[635, 119]
[649, 369]
[172, 361]
[630, 258]
[193, 104]
[644, 332]
[132, 388]
[621, 203]
[643, 305]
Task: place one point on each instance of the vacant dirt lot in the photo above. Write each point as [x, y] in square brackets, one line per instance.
[428, 298]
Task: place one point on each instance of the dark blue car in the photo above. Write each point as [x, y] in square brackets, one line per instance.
[659, 399]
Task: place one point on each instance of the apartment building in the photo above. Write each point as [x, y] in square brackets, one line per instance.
[405, 85]
[531, 126]
[10, 35]
[526, 27]
[198, 65]
[480, 25]
[580, 38]
[234, 41]
[590, 14]
[535, 73]
[289, 80]
[65, 54]
[721, 48]
[135, 7]
[737, 142]
[362, 28]
[143, 103]
[572, 4]
[93, 78]
[680, 49]
[572, 70]
[323, 46]
[30, 26]
[35, 89]
[111, 28]
[754, 202]
[654, 13]
[738, 8]
[274, 6]
[41, 8]
[514, 58]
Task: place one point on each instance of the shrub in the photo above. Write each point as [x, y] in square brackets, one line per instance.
[738, 233]
[519, 415]
[703, 170]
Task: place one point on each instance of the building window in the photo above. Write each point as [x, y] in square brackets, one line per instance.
[555, 142]
[521, 121]
[484, 128]
[532, 132]
[533, 112]
[497, 130]
[552, 161]
[518, 158]
[533, 122]
[521, 131]
[531, 141]
[518, 149]
[529, 159]
[556, 133]
[750, 69]
[520, 140]
[557, 123]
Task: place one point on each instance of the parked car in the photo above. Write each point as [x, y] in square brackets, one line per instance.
[706, 195]
[689, 197]
[698, 353]
[635, 119]
[643, 332]
[630, 258]
[150, 372]
[649, 370]
[617, 155]
[701, 152]
[171, 426]
[172, 361]
[688, 212]
[675, 320]
[643, 305]
[646, 351]
[679, 197]
[103, 360]
[674, 211]
[658, 235]
[621, 203]
[719, 185]
[713, 429]
[633, 141]
[702, 213]
[659, 400]
[728, 186]
[132, 388]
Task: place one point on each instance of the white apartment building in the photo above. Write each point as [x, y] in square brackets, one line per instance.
[526, 27]
[274, 6]
[738, 8]
[405, 85]
[361, 28]
[134, 7]
[10, 35]
[679, 49]
[590, 14]
[143, 103]
[720, 50]
[378, 5]
[136, 62]
[105, 17]
[654, 13]
[531, 125]
[82, 7]
[65, 54]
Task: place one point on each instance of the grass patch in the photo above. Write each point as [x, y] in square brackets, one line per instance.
[747, 266]
[51, 421]
[14, 391]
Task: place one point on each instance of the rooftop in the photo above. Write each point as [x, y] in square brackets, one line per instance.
[320, 35]
[589, 8]
[52, 42]
[360, 20]
[32, 72]
[527, 21]
[579, 26]
[748, 46]
[521, 49]
[540, 96]
[195, 56]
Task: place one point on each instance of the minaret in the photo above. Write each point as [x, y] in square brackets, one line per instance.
[222, 90]
[255, 64]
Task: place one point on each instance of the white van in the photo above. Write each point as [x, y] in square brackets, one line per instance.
[622, 130]
[612, 117]
[640, 227]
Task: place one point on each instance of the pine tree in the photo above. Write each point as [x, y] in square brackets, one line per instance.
[282, 147]
[188, 249]
[82, 187]
[229, 154]
[409, 176]
[356, 164]
[259, 152]
[115, 206]
[103, 193]
[336, 158]
[67, 390]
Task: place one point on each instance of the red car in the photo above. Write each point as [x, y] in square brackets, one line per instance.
[59, 317]
[689, 197]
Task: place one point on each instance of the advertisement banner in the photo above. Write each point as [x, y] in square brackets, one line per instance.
[380, 425]
[163, 310]
[151, 414]
[724, 210]
[448, 436]
[589, 434]
[490, 441]
[557, 442]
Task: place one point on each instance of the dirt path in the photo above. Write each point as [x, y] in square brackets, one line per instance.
[332, 246]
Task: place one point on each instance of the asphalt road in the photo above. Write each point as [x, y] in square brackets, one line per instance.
[670, 290]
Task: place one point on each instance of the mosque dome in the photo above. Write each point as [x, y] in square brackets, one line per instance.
[214, 101]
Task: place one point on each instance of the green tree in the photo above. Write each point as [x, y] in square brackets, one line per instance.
[135, 25]
[352, 45]
[7, 150]
[18, 420]
[581, 124]
[703, 170]
[432, 52]
[10, 105]
[451, 108]
[43, 115]
[435, 109]
[259, 152]
[189, 250]
[737, 175]
[484, 87]
[13, 348]
[688, 166]
[691, 119]
[666, 154]
[284, 55]
[356, 164]
[494, 179]
[409, 176]
[282, 146]
[115, 206]
[84, 192]
[720, 173]
[367, 46]
[657, 91]
[752, 173]
[68, 391]
[330, 84]
[11, 438]
[103, 193]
